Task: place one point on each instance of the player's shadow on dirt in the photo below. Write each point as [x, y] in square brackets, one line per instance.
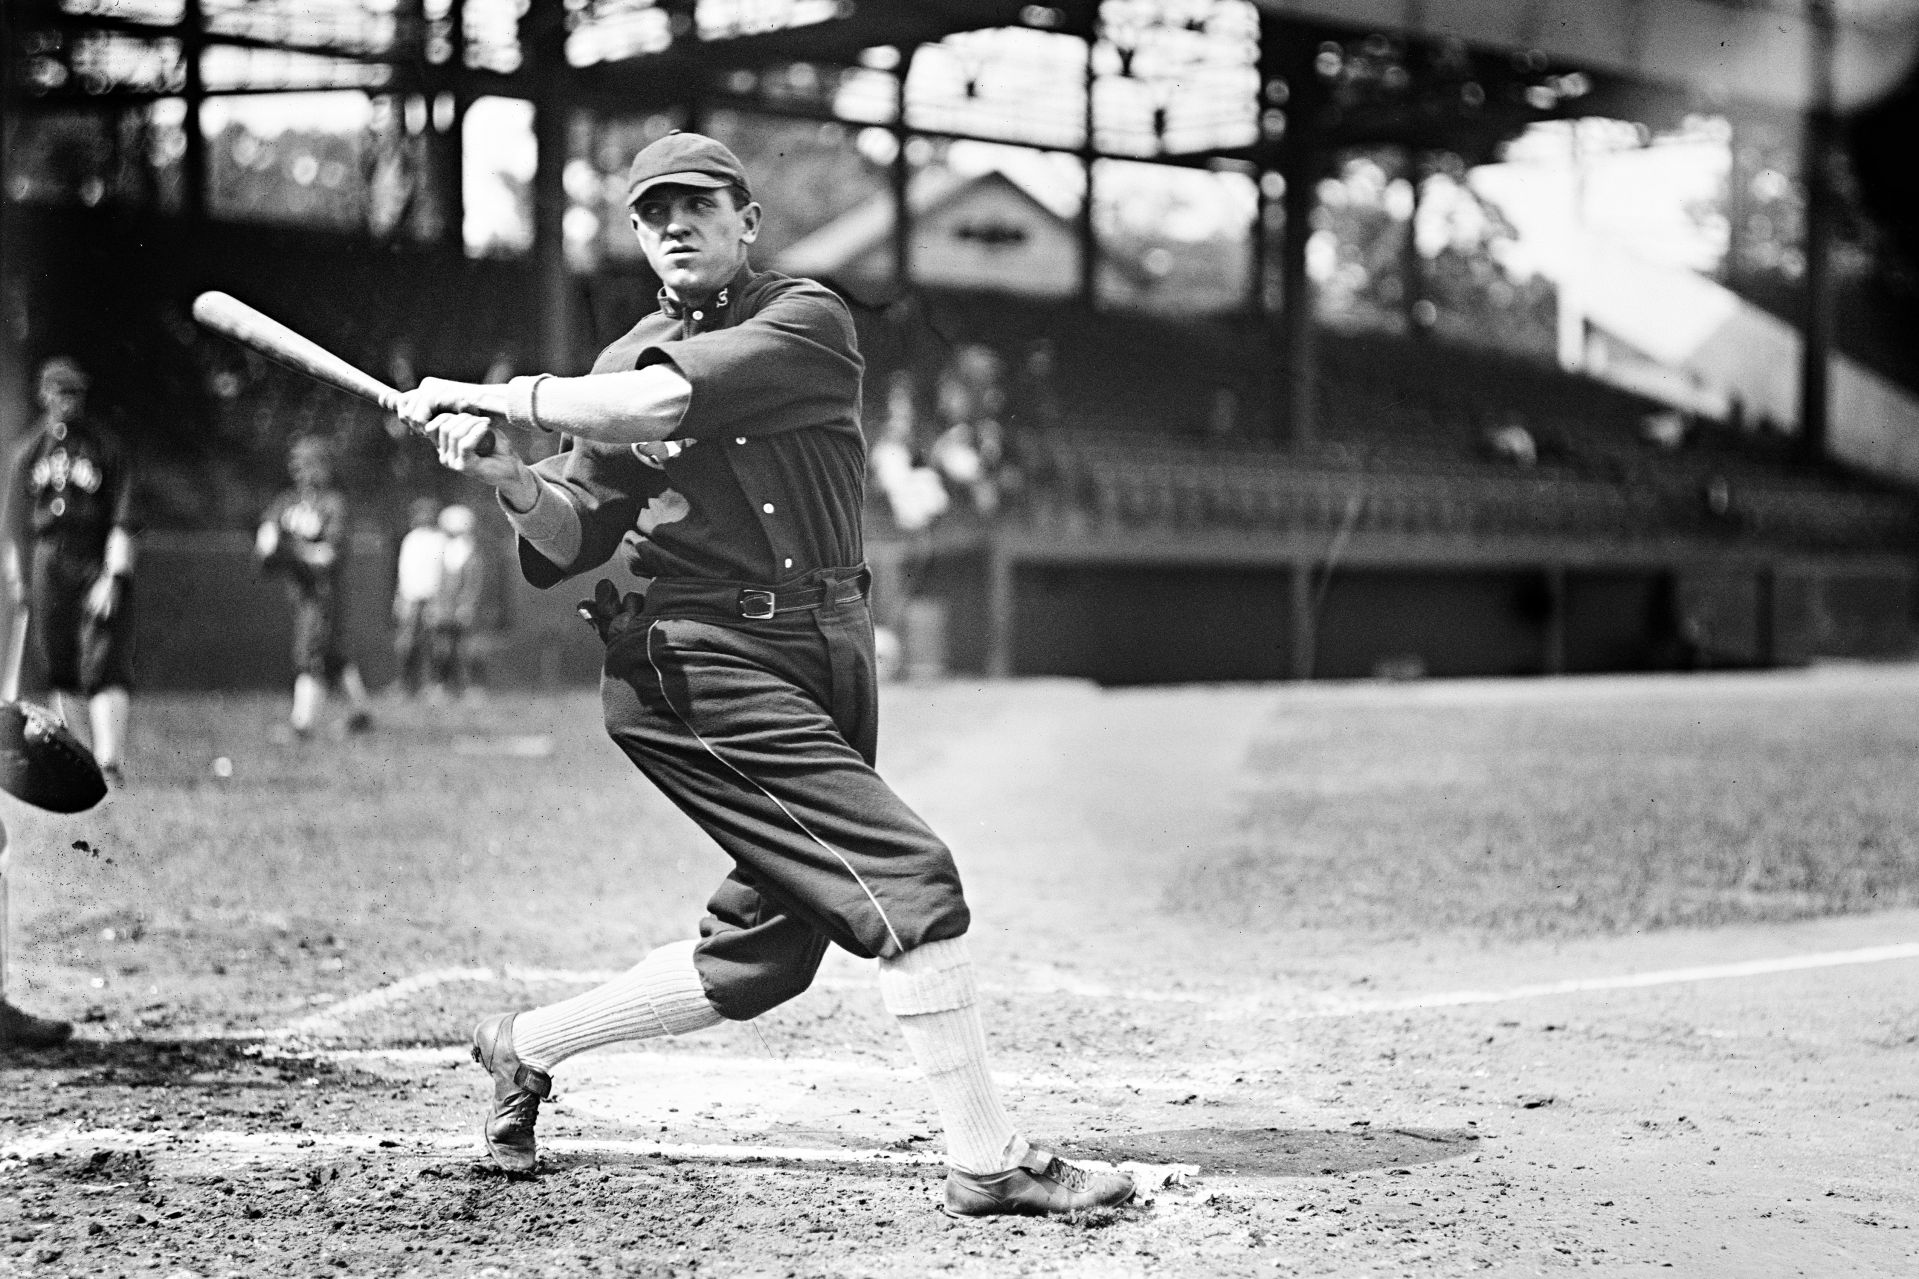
[1290, 1152]
[165, 1063]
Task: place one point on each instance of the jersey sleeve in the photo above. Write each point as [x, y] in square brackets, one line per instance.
[791, 365]
[609, 486]
[124, 512]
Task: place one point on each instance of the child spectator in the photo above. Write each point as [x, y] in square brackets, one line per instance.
[416, 587]
[456, 604]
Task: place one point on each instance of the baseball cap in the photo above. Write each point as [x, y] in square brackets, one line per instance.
[684, 159]
[63, 372]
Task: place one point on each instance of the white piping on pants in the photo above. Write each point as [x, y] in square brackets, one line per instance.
[838, 856]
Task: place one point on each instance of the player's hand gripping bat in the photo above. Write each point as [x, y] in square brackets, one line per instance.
[233, 318]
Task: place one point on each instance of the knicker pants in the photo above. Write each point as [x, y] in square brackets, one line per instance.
[763, 732]
[81, 653]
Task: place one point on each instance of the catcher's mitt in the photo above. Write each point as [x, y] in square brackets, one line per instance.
[43, 763]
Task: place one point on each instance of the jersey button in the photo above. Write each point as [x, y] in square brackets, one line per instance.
[768, 508]
[789, 561]
[739, 439]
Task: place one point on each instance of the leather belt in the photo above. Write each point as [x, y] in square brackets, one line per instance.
[755, 603]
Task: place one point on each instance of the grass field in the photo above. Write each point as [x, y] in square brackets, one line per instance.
[1609, 808]
[511, 830]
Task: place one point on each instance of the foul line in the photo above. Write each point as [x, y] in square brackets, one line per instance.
[1625, 981]
[335, 1016]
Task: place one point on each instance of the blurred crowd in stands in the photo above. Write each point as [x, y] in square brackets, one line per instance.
[953, 447]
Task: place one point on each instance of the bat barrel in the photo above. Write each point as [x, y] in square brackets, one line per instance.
[226, 314]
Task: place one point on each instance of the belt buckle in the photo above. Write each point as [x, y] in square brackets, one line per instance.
[756, 606]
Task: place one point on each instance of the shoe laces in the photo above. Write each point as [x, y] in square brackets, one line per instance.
[1071, 1176]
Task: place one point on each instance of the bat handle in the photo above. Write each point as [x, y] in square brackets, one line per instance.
[487, 447]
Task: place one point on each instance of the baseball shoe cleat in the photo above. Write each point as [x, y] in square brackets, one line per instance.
[1041, 1184]
[518, 1090]
[19, 1029]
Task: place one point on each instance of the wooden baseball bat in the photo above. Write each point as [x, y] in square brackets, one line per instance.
[227, 315]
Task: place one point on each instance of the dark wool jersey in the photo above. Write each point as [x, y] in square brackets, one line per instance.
[308, 521]
[71, 486]
[763, 481]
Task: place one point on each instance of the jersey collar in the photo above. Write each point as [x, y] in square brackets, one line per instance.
[674, 309]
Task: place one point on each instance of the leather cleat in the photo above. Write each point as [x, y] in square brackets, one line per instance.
[1041, 1184]
[19, 1029]
[518, 1090]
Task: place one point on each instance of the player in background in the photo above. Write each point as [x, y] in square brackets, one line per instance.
[303, 538]
[68, 562]
[417, 582]
[68, 569]
[719, 451]
[456, 605]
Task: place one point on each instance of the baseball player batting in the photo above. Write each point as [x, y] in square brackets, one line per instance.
[718, 447]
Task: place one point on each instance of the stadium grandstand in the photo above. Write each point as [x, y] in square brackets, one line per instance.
[1201, 345]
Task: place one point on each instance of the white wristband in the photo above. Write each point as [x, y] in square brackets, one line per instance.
[521, 409]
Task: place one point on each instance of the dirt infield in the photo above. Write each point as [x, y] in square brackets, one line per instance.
[277, 963]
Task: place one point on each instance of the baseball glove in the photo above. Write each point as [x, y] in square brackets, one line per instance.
[43, 763]
[609, 610]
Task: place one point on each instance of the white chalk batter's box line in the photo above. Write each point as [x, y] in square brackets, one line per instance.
[264, 1149]
[280, 1147]
[335, 1016]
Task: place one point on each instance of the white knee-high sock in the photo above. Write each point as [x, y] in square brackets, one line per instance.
[108, 711]
[930, 992]
[309, 694]
[660, 995]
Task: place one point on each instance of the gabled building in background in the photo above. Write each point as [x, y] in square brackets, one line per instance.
[980, 233]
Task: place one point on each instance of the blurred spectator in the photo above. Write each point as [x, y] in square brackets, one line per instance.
[970, 450]
[500, 369]
[456, 605]
[913, 492]
[1510, 441]
[1666, 430]
[915, 497]
[400, 373]
[416, 586]
[1717, 495]
[1034, 403]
